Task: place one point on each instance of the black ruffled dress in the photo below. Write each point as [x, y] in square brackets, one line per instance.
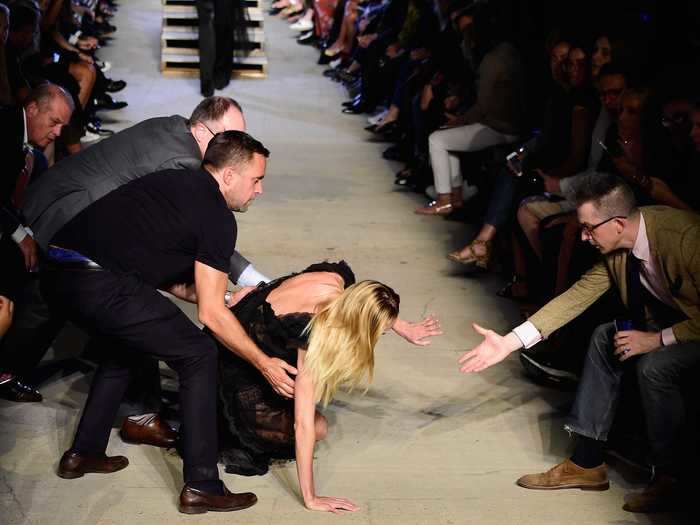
[256, 424]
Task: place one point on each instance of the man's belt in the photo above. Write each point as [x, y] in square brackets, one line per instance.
[70, 259]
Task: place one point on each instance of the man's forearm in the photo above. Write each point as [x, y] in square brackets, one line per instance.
[228, 330]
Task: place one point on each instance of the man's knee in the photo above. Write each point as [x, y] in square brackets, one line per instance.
[601, 343]
[651, 370]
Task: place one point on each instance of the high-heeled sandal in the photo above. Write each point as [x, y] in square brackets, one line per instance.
[473, 260]
[507, 291]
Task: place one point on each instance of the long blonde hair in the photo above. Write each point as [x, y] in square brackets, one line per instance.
[343, 334]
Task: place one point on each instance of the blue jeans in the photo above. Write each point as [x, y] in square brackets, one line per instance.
[659, 375]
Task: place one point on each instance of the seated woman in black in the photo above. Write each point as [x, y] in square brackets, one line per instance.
[324, 324]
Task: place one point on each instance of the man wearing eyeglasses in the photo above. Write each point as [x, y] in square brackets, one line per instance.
[652, 256]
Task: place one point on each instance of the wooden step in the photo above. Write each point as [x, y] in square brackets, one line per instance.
[191, 69]
[178, 57]
[255, 34]
[253, 14]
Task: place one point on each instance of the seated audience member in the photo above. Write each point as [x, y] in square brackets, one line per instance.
[495, 118]
[35, 125]
[649, 256]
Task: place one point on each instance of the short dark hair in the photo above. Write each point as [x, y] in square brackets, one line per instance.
[46, 93]
[212, 109]
[22, 16]
[608, 193]
[232, 148]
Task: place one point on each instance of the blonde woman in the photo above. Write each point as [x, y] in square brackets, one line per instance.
[326, 326]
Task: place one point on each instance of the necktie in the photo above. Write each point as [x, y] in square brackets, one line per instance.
[635, 293]
[23, 180]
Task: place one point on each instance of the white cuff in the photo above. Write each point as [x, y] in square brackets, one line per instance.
[528, 334]
[251, 277]
[19, 234]
[74, 38]
[668, 337]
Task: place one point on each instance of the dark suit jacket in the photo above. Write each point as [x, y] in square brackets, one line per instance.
[674, 241]
[79, 180]
[12, 158]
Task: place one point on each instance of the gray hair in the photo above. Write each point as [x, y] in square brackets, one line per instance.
[609, 194]
[44, 94]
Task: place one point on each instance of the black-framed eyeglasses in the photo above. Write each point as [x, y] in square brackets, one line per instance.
[209, 129]
[590, 229]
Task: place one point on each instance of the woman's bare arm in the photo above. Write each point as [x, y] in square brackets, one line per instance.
[305, 437]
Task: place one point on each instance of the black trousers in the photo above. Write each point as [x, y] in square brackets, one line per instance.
[215, 40]
[34, 329]
[132, 319]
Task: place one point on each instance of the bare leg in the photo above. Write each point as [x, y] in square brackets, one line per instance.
[85, 75]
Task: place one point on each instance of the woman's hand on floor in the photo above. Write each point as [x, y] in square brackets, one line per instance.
[329, 504]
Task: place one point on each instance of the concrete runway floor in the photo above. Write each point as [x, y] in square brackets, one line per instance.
[426, 445]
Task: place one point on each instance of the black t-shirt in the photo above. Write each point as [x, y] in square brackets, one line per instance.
[156, 226]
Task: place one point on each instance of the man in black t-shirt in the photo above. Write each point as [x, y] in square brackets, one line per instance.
[171, 230]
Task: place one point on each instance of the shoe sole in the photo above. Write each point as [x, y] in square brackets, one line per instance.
[67, 474]
[559, 374]
[190, 509]
[134, 442]
[596, 488]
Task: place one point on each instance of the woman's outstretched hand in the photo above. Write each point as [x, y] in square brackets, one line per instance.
[329, 504]
[493, 349]
[418, 333]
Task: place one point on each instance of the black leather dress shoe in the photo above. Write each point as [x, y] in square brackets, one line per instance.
[107, 102]
[115, 85]
[193, 501]
[15, 390]
[357, 108]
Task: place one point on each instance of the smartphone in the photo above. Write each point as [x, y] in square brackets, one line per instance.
[515, 161]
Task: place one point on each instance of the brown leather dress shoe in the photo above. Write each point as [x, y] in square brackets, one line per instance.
[568, 475]
[74, 465]
[193, 501]
[148, 430]
[661, 495]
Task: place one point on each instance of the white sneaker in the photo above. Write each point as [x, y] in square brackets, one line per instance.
[302, 25]
[90, 137]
